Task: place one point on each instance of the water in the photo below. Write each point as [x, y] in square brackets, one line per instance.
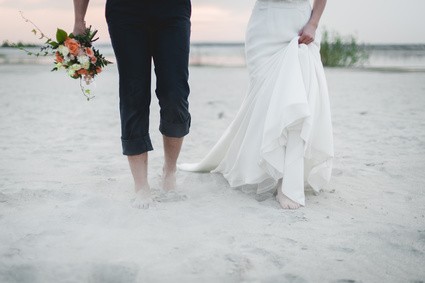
[399, 57]
[407, 57]
[225, 55]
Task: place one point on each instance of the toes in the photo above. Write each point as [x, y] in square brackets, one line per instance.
[140, 205]
[143, 203]
[295, 206]
[288, 204]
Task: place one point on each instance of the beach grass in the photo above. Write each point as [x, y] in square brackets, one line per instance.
[341, 51]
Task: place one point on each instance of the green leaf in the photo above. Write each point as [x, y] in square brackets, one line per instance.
[54, 44]
[61, 35]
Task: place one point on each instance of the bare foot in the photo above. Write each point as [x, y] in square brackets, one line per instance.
[143, 199]
[168, 180]
[285, 202]
[168, 183]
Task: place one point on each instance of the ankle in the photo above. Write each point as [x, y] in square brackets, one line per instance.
[142, 187]
[168, 170]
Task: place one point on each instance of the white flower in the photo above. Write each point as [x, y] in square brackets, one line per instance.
[63, 50]
[72, 69]
[71, 72]
[75, 67]
[86, 65]
[84, 61]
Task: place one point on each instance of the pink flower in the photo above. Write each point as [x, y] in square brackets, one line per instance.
[89, 52]
[73, 46]
[59, 58]
[82, 72]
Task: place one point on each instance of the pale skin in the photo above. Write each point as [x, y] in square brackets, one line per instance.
[139, 163]
[308, 32]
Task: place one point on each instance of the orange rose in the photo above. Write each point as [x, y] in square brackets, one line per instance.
[59, 58]
[98, 70]
[89, 52]
[93, 60]
[73, 46]
[82, 72]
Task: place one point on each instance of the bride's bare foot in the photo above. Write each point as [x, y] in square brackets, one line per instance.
[143, 199]
[285, 202]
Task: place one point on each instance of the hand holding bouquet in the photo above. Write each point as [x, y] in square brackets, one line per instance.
[73, 53]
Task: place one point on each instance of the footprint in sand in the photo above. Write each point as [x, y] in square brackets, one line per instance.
[342, 249]
[109, 273]
[3, 198]
[171, 196]
[24, 273]
[265, 256]
[336, 172]
[292, 278]
[373, 164]
[237, 264]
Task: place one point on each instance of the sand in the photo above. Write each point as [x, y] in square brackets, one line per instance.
[65, 189]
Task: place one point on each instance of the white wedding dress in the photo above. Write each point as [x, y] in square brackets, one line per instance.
[283, 129]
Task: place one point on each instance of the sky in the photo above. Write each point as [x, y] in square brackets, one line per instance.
[370, 21]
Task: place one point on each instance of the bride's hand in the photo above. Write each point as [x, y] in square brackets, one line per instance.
[307, 34]
[79, 28]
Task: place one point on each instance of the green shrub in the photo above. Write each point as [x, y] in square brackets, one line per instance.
[337, 51]
[6, 43]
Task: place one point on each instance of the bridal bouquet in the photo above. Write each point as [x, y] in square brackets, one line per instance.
[73, 53]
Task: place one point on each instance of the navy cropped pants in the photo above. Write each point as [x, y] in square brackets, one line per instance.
[142, 31]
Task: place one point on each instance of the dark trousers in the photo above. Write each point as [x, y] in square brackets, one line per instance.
[142, 31]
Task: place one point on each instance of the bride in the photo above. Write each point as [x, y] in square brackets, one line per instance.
[281, 138]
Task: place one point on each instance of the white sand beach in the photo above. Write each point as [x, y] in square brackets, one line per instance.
[65, 189]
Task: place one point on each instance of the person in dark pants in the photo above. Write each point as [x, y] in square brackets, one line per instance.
[143, 31]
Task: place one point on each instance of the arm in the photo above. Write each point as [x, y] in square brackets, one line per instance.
[309, 30]
[80, 9]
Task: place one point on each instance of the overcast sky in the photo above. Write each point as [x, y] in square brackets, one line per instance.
[371, 21]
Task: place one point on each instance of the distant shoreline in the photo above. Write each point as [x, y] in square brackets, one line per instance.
[241, 44]
[382, 57]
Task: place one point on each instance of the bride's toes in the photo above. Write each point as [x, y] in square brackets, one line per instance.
[293, 206]
[286, 203]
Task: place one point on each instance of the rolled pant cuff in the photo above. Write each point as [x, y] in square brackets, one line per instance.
[174, 130]
[136, 146]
